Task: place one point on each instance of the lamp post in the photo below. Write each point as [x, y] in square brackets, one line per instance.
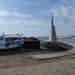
[19, 36]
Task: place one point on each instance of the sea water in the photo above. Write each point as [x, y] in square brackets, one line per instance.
[71, 40]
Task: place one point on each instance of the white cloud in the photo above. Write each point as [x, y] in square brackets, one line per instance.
[18, 14]
[23, 23]
[62, 11]
[28, 27]
[5, 13]
[64, 16]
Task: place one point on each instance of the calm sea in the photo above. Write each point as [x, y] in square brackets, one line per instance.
[72, 40]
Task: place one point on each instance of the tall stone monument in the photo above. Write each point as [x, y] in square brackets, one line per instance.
[52, 33]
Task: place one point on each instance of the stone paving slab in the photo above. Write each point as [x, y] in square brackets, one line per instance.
[53, 55]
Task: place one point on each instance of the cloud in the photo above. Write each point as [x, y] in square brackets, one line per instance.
[64, 16]
[28, 27]
[5, 13]
[18, 14]
[24, 23]
[62, 11]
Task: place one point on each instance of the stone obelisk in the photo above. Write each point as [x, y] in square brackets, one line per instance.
[52, 33]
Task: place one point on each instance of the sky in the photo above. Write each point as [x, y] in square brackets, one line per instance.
[33, 17]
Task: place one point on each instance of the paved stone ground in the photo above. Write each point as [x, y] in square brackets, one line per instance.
[48, 55]
[60, 66]
[21, 64]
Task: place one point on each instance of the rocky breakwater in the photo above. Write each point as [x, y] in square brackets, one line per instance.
[56, 46]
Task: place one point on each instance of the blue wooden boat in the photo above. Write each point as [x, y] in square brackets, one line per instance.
[6, 43]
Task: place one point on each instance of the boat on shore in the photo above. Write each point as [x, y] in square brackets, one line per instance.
[7, 43]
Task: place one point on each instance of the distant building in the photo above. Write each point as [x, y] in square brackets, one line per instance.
[52, 34]
[31, 43]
